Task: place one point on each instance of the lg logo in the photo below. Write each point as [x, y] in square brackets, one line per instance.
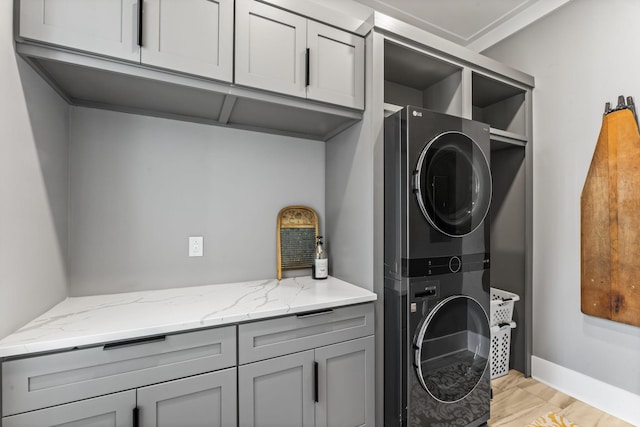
[417, 113]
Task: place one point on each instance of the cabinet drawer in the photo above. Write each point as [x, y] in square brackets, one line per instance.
[272, 338]
[53, 379]
[112, 410]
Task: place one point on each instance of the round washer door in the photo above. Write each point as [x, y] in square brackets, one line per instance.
[453, 184]
[452, 347]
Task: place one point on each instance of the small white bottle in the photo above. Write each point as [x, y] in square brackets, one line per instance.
[320, 268]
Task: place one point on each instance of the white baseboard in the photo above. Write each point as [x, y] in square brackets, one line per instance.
[610, 399]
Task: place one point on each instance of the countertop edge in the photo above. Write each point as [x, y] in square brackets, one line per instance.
[93, 340]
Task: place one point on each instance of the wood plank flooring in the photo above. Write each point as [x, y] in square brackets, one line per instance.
[517, 401]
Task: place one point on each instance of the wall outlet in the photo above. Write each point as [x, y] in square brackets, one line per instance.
[196, 246]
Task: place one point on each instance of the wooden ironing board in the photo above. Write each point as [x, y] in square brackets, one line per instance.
[610, 223]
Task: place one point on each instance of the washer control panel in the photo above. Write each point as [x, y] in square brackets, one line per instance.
[444, 265]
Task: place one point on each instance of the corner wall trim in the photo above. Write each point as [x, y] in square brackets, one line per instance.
[610, 399]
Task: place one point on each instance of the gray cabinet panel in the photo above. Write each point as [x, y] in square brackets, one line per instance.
[271, 54]
[271, 338]
[48, 380]
[204, 400]
[114, 410]
[277, 392]
[346, 384]
[270, 48]
[336, 66]
[105, 27]
[192, 36]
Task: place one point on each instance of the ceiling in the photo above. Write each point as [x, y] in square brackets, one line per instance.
[476, 24]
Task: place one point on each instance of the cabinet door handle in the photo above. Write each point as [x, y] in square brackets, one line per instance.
[315, 381]
[136, 417]
[129, 343]
[140, 2]
[306, 68]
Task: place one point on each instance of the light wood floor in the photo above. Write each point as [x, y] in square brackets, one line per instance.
[517, 401]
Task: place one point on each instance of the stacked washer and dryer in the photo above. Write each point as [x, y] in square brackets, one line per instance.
[437, 293]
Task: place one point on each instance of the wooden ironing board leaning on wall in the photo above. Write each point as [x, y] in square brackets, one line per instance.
[296, 238]
[610, 221]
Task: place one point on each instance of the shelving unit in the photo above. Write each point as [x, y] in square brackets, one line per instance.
[499, 104]
[412, 77]
[408, 66]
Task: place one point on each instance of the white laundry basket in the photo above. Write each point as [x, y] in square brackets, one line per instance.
[502, 306]
[500, 349]
[501, 320]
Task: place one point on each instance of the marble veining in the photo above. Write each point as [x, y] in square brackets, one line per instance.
[92, 320]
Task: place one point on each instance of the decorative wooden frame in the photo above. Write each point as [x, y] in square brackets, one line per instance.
[299, 218]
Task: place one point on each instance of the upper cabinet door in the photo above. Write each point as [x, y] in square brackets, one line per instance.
[270, 48]
[336, 62]
[191, 36]
[105, 27]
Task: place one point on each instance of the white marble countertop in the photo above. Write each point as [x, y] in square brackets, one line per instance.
[92, 320]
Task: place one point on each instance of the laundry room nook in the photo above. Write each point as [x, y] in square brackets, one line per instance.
[456, 147]
[338, 213]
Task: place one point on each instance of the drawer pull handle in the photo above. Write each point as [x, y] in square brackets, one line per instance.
[129, 343]
[314, 313]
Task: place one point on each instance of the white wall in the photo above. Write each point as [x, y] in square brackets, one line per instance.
[33, 188]
[140, 186]
[582, 55]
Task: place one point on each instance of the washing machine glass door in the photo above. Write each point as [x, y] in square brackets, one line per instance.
[453, 184]
[452, 346]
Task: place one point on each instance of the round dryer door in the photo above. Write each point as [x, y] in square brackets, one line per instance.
[452, 347]
[453, 184]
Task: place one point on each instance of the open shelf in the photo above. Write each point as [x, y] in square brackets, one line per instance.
[499, 104]
[91, 81]
[413, 77]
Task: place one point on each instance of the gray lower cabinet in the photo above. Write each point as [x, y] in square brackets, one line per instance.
[310, 369]
[277, 392]
[113, 410]
[204, 400]
[317, 370]
[181, 379]
[345, 381]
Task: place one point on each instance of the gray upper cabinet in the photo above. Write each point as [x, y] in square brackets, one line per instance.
[336, 66]
[176, 59]
[286, 53]
[270, 48]
[113, 410]
[203, 400]
[191, 36]
[105, 27]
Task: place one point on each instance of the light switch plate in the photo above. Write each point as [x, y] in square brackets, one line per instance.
[196, 246]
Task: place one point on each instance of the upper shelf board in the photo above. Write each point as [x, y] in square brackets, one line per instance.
[92, 81]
